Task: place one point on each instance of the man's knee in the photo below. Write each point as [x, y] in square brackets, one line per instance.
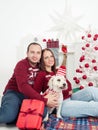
[9, 108]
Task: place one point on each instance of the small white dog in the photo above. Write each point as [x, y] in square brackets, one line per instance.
[57, 83]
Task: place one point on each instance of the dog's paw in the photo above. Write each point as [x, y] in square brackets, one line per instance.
[46, 118]
[59, 116]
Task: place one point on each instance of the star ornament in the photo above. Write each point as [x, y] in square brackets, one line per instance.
[66, 25]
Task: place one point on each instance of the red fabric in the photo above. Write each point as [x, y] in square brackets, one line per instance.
[30, 116]
[67, 93]
[22, 80]
[61, 71]
[42, 81]
[64, 48]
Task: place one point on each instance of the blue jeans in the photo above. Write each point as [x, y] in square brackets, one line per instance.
[83, 103]
[10, 106]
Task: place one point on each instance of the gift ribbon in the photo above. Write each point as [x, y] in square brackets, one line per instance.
[29, 111]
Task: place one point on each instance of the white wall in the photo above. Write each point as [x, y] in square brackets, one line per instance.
[22, 20]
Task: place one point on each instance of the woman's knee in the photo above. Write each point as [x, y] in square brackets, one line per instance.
[67, 108]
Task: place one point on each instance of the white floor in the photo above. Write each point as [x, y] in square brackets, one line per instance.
[7, 127]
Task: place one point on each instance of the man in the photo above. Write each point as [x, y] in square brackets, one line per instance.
[20, 85]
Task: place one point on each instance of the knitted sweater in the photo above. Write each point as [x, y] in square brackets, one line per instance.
[42, 81]
[23, 79]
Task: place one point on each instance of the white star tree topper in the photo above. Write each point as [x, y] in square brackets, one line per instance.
[66, 25]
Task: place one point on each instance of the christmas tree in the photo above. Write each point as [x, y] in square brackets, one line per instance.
[87, 71]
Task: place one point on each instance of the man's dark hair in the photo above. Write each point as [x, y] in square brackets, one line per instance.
[33, 43]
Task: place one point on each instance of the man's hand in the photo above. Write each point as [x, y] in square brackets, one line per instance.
[52, 99]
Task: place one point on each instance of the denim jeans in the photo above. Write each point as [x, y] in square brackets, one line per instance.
[83, 103]
[10, 106]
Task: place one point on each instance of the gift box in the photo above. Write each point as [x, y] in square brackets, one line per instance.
[53, 43]
[30, 115]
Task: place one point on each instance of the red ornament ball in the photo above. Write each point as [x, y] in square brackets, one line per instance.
[93, 61]
[77, 81]
[86, 65]
[83, 48]
[84, 77]
[83, 37]
[95, 68]
[81, 87]
[82, 58]
[95, 38]
[96, 35]
[44, 40]
[77, 70]
[96, 48]
[90, 84]
[89, 35]
[74, 78]
[87, 45]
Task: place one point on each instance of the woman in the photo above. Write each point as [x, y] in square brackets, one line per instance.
[48, 69]
[81, 104]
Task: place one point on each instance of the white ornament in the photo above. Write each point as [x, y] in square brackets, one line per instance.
[66, 25]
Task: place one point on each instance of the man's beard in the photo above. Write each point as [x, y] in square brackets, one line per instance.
[33, 63]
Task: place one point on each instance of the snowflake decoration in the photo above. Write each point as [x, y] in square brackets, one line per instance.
[66, 25]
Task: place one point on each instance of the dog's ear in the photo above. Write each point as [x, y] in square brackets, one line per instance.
[50, 82]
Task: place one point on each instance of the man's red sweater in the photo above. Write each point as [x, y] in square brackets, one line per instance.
[23, 79]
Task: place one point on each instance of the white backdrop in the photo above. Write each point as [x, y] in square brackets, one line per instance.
[22, 20]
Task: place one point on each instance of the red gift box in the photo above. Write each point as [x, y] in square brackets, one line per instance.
[53, 44]
[30, 115]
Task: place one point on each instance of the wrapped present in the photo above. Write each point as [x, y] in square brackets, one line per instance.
[53, 43]
[30, 115]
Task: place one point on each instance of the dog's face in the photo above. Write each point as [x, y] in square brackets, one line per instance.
[57, 83]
